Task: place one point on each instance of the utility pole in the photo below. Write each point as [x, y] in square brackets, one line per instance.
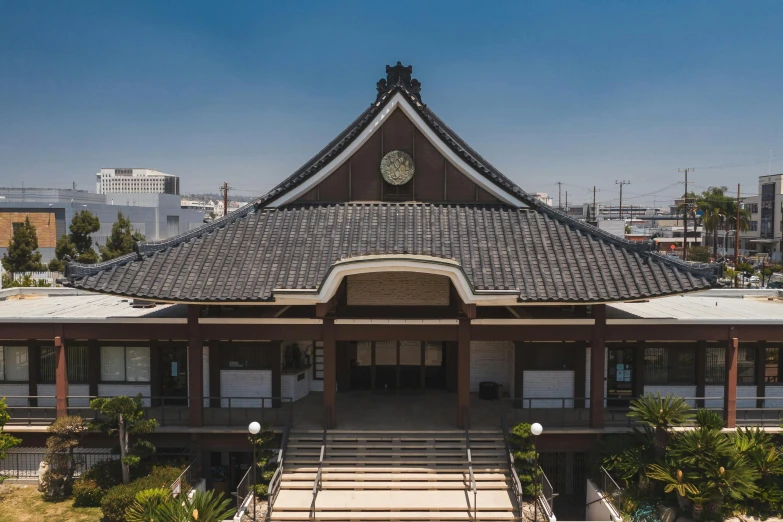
[621, 183]
[224, 188]
[595, 210]
[737, 232]
[685, 214]
[559, 187]
[566, 206]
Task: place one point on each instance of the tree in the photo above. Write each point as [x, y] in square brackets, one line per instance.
[121, 240]
[60, 457]
[78, 244]
[23, 255]
[712, 204]
[525, 459]
[125, 417]
[661, 414]
[699, 254]
[6, 441]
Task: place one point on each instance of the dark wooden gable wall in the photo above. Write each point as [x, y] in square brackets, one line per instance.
[435, 180]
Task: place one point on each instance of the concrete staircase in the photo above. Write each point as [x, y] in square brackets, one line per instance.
[400, 476]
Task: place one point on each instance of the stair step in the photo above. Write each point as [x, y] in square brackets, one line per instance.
[397, 500]
[395, 485]
[409, 516]
[385, 475]
[402, 469]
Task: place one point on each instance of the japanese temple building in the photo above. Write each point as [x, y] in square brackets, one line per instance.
[396, 265]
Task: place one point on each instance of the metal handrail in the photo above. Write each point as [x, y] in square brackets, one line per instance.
[611, 491]
[277, 478]
[470, 470]
[317, 482]
[243, 488]
[546, 500]
[176, 486]
[516, 485]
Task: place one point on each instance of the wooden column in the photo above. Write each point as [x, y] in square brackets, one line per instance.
[597, 364]
[195, 367]
[277, 372]
[730, 384]
[330, 373]
[463, 373]
[214, 374]
[701, 372]
[61, 375]
[33, 365]
[580, 374]
[638, 369]
[519, 374]
[761, 376]
[156, 372]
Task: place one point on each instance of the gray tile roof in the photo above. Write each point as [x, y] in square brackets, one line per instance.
[498, 248]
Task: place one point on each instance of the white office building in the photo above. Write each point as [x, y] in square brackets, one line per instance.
[136, 181]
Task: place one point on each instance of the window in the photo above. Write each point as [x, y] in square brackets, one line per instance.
[670, 365]
[716, 365]
[772, 373]
[78, 364]
[125, 363]
[753, 207]
[246, 356]
[754, 226]
[48, 366]
[13, 363]
[552, 356]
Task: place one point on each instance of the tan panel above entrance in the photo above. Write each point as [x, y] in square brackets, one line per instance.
[397, 288]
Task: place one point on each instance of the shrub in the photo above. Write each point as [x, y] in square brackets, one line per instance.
[86, 493]
[106, 474]
[120, 497]
[262, 490]
[146, 504]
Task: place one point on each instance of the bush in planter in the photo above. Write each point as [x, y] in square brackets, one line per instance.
[86, 493]
[525, 459]
[120, 497]
[262, 491]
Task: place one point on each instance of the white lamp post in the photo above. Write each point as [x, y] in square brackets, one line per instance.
[254, 428]
[536, 429]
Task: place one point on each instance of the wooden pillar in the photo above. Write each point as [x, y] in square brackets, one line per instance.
[214, 374]
[761, 376]
[701, 372]
[195, 367]
[519, 374]
[33, 365]
[330, 373]
[156, 372]
[61, 375]
[277, 372]
[597, 364]
[93, 367]
[580, 374]
[638, 369]
[730, 384]
[463, 373]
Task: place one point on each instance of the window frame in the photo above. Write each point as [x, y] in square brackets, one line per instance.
[125, 347]
[225, 349]
[4, 364]
[668, 349]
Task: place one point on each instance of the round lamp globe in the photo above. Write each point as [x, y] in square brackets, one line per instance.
[536, 429]
[254, 428]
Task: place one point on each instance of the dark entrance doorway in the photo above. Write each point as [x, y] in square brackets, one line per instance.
[394, 366]
[619, 381]
[174, 374]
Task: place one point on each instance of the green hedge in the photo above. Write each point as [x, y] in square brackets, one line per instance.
[119, 497]
[86, 493]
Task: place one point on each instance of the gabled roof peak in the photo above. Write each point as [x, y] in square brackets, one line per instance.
[399, 76]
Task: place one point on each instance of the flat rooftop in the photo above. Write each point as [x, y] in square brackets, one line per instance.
[36, 304]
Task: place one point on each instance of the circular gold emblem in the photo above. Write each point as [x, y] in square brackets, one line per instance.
[397, 167]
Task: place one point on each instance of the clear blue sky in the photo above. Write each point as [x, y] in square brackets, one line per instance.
[580, 92]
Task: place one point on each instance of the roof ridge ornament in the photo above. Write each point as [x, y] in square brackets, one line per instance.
[399, 76]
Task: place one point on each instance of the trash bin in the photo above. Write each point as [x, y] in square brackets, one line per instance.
[488, 390]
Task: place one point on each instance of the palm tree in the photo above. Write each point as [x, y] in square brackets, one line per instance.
[711, 205]
[730, 221]
[661, 414]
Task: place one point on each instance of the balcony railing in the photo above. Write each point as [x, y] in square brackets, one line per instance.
[31, 410]
[558, 412]
[218, 411]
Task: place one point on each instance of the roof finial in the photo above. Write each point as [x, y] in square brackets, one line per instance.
[399, 76]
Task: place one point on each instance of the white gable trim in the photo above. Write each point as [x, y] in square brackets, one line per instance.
[396, 263]
[398, 100]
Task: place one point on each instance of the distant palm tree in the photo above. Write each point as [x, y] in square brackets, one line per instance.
[730, 221]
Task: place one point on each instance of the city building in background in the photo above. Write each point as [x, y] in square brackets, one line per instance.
[156, 216]
[766, 220]
[136, 181]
